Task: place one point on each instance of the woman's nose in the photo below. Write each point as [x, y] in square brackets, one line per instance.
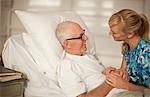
[110, 33]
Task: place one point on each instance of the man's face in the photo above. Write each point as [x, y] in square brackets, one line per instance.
[77, 43]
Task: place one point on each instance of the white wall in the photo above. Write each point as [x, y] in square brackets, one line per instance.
[95, 14]
[5, 20]
[0, 32]
[147, 8]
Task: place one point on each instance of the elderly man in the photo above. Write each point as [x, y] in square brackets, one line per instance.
[79, 74]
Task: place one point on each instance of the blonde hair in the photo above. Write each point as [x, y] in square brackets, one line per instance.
[132, 22]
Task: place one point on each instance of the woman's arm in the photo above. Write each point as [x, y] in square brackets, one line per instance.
[118, 82]
[123, 64]
[123, 69]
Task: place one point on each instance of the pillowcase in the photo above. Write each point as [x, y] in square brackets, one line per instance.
[41, 27]
[41, 64]
[38, 26]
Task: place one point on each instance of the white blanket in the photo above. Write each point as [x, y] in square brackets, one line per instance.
[15, 56]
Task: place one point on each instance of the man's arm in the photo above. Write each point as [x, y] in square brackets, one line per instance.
[73, 85]
[101, 91]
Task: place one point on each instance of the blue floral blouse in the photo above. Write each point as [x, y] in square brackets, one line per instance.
[138, 64]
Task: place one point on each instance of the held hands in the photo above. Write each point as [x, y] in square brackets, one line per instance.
[115, 77]
[108, 70]
[116, 80]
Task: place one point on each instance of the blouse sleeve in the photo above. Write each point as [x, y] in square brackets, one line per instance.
[145, 61]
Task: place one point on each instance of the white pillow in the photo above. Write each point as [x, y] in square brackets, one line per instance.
[41, 27]
[38, 25]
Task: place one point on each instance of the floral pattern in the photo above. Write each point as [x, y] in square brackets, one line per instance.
[138, 64]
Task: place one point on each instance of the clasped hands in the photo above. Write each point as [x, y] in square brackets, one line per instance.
[116, 77]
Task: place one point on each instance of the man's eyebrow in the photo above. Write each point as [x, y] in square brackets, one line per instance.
[82, 32]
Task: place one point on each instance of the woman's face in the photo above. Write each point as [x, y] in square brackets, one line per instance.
[117, 33]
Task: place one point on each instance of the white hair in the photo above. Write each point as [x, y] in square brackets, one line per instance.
[62, 32]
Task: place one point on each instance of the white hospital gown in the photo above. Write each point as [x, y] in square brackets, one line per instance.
[79, 74]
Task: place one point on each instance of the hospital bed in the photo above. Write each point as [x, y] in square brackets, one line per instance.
[36, 52]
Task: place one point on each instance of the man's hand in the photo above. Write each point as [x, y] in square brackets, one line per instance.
[108, 70]
[120, 73]
[116, 80]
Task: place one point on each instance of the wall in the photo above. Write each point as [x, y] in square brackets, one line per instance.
[0, 32]
[4, 21]
[147, 8]
[95, 14]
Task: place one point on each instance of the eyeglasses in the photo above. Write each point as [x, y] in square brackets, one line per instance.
[80, 37]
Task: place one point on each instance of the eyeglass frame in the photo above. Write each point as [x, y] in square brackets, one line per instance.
[80, 37]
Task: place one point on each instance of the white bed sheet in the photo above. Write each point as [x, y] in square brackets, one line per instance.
[15, 56]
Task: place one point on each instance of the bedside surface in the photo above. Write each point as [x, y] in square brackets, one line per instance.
[13, 88]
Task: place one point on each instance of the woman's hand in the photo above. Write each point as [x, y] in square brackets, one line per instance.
[116, 80]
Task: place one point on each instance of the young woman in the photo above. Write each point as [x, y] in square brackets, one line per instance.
[133, 29]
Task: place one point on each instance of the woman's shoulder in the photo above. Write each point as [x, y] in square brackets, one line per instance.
[144, 46]
[144, 52]
[145, 43]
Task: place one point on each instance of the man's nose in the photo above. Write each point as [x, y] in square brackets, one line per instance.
[85, 37]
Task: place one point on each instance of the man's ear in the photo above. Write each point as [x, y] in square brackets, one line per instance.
[130, 35]
[66, 44]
